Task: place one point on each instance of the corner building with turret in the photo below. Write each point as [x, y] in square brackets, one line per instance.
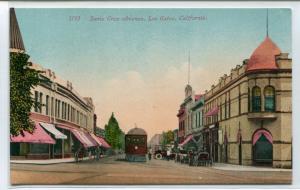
[248, 114]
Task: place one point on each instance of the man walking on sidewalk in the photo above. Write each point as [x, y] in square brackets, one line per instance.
[149, 155]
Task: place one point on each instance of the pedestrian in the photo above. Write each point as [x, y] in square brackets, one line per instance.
[191, 158]
[149, 155]
[168, 154]
[98, 153]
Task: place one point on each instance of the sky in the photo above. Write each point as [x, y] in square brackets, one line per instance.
[139, 69]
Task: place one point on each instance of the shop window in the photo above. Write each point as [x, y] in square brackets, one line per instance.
[256, 99]
[36, 148]
[269, 93]
[58, 147]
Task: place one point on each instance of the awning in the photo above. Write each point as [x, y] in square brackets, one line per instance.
[104, 143]
[91, 139]
[259, 133]
[51, 129]
[188, 138]
[212, 112]
[38, 136]
[84, 138]
[211, 126]
[96, 139]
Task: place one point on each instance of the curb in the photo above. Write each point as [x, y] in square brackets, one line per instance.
[44, 162]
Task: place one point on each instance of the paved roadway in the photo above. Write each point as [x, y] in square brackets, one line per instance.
[110, 171]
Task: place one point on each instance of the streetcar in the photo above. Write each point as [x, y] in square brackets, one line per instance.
[136, 145]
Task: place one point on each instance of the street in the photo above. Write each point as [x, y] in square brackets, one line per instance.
[114, 171]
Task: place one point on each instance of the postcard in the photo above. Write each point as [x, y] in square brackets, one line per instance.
[150, 96]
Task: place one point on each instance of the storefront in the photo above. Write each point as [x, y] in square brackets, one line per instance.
[34, 145]
[51, 142]
[56, 150]
[213, 141]
[82, 140]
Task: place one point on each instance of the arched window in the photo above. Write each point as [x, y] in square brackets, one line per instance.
[249, 100]
[269, 93]
[256, 99]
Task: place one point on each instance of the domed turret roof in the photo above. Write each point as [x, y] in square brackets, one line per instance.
[263, 58]
[136, 131]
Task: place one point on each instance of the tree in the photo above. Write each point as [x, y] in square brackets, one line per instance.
[113, 134]
[170, 136]
[167, 138]
[22, 79]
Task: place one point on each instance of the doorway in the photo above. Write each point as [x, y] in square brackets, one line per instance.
[263, 151]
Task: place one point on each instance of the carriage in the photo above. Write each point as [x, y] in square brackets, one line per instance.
[136, 145]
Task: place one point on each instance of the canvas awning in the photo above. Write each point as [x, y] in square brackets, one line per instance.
[96, 139]
[51, 129]
[211, 126]
[84, 138]
[104, 143]
[38, 136]
[188, 138]
[259, 133]
[212, 112]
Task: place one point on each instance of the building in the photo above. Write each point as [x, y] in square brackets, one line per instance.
[190, 118]
[64, 120]
[99, 132]
[175, 133]
[181, 123]
[246, 118]
[155, 142]
[248, 114]
[185, 115]
[198, 122]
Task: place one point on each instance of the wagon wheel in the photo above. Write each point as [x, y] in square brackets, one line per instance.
[158, 156]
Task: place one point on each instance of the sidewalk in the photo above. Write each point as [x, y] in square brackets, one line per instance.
[232, 167]
[45, 162]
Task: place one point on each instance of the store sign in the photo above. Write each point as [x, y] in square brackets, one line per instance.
[221, 137]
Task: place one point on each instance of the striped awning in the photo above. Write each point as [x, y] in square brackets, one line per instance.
[84, 137]
[186, 140]
[51, 129]
[212, 112]
[39, 135]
